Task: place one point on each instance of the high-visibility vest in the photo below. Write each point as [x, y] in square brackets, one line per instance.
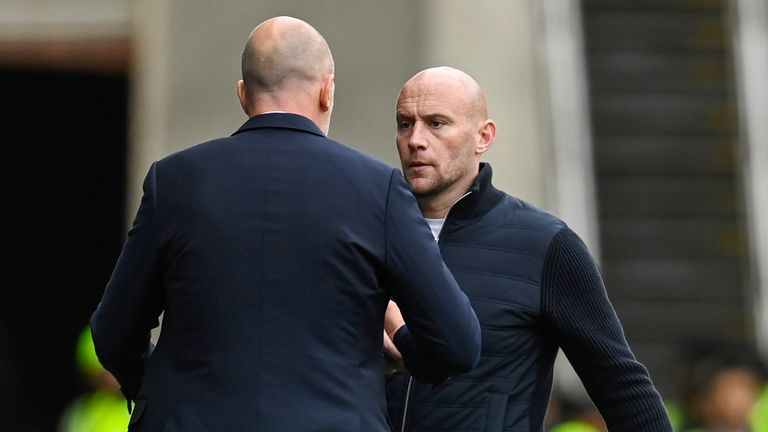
[99, 411]
[759, 419]
[574, 426]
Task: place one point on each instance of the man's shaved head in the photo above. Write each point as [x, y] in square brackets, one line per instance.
[284, 50]
[442, 130]
[467, 92]
[287, 66]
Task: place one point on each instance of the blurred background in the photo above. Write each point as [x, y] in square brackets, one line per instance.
[641, 123]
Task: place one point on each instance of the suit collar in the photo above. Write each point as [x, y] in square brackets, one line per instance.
[483, 196]
[281, 120]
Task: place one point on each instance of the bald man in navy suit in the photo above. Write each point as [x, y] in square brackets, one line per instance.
[272, 254]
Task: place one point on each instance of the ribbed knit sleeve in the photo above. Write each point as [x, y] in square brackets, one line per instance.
[579, 315]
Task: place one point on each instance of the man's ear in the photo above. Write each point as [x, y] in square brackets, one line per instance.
[242, 96]
[327, 89]
[487, 134]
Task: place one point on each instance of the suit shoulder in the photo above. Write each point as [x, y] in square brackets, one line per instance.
[193, 152]
[340, 156]
[360, 159]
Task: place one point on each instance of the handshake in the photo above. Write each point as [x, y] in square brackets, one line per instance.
[393, 320]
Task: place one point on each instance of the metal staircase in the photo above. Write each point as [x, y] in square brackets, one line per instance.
[671, 217]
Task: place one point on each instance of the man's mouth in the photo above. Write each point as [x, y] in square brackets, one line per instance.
[417, 164]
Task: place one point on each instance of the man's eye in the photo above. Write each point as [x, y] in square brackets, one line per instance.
[437, 124]
[403, 125]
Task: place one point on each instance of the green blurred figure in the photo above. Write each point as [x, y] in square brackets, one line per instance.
[676, 415]
[575, 426]
[729, 397]
[760, 412]
[104, 408]
[577, 413]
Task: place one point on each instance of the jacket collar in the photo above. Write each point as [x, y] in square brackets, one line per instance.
[281, 120]
[483, 196]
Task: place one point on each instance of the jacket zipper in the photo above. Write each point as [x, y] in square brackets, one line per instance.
[405, 403]
[410, 378]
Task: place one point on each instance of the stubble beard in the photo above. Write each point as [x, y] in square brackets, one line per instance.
[431, 190]
[433, 187]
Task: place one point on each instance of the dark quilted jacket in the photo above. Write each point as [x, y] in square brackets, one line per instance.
[535, 289]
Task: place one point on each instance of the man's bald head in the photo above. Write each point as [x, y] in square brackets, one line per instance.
[442, 131]
[284, 51]
[287, 66]
[463, 88]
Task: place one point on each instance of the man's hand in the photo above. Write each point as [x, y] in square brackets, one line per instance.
[394, 360]
[393, 320]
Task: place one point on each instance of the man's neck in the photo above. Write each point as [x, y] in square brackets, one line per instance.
[434, 207]
[437, 207]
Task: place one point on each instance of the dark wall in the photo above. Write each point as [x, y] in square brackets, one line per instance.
[63, 152]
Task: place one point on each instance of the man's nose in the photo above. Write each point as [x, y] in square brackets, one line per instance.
[418, 138]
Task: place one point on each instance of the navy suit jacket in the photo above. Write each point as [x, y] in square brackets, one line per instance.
[272, 255]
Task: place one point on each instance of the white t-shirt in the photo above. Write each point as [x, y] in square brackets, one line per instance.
[435, 225]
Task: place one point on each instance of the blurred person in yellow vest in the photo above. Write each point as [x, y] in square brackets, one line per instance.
[676, 414]
[760, 412]
[575, 426]
[576, 413]
[727, 394]
[103, 409]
